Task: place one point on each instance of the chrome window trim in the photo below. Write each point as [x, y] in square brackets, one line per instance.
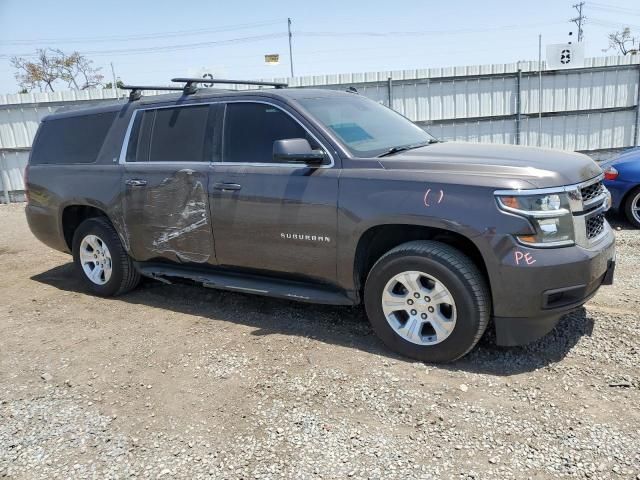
[125, 143]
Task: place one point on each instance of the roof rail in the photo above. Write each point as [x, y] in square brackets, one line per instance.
[190, 83]
[136, 90]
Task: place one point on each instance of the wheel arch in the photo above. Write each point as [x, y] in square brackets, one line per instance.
[379, 239]
[72, 216]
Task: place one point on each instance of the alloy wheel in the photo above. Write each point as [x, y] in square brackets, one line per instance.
[95, 259]
[419, 308]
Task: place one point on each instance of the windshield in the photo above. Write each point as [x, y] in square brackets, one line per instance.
[366, 128]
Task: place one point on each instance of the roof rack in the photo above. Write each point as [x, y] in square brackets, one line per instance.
[136, 90]
[190, 83]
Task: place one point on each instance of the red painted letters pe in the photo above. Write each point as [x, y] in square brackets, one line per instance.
[524, 257]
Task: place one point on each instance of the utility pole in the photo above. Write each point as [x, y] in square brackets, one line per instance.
[114, 85]
[540, 90]
[290, 51]
[579, 20]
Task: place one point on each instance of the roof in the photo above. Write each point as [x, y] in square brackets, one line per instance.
[202, 94]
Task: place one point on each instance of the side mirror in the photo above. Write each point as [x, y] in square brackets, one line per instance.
[296, 150]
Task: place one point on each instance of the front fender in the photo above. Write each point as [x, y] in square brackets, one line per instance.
[469, 211]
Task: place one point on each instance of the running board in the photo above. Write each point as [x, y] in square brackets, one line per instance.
[245, 283]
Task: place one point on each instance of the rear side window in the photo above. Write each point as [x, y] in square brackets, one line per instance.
[251, 128]
[72, 139]
[169, 135]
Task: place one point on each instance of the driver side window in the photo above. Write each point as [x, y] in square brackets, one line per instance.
[251, 128]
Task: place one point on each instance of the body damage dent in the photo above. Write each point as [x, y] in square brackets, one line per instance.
[179, 206]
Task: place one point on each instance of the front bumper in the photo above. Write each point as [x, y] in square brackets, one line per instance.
[542, 285]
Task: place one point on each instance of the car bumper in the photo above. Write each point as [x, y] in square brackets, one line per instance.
[43, 224]
[534, 295]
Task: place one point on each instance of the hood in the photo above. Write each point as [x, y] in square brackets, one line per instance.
[539, 167]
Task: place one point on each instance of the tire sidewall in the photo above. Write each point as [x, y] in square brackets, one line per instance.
[467, 316]
[95, 227]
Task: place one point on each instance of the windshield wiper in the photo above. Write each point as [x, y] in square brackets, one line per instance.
[403, 148]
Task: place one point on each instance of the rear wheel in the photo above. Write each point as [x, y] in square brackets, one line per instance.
[632, 207]
[104, 265]
[427, 300]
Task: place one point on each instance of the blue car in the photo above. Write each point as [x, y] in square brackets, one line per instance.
[622, 178]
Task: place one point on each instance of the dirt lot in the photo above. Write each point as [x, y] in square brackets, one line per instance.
[185, 382]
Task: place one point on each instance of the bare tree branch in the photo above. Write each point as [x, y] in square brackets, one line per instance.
[623, 42]
[54, 66]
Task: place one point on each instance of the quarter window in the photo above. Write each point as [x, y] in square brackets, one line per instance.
[70, 140]
[251, 128]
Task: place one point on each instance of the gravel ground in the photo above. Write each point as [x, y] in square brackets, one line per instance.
[185, 382]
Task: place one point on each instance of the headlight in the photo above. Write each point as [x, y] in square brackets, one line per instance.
[550, 215]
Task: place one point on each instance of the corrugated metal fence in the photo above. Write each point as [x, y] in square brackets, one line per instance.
[585, 109]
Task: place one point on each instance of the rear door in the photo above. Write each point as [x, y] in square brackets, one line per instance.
[165, 202]
[268, 216]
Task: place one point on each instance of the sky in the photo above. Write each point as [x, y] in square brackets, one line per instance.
[149, 42]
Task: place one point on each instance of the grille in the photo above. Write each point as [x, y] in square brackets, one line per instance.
[595, 226]
[591, 191]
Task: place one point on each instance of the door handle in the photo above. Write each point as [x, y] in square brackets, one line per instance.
[135, 182]
[227, 186]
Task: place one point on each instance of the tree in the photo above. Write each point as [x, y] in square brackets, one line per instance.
[623, 42]
[53, 66]
[119, 84]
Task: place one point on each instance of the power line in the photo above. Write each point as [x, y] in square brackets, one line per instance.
[423, 32]
[169, 48]
[176, 47]
[611, 24]
[612, 8]
[147, 36]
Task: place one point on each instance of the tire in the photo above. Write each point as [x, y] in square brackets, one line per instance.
[456, 316]
[118, 272]
[631, 204]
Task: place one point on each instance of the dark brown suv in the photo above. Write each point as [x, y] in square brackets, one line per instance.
[324, 197]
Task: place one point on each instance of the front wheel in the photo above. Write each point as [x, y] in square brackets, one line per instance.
[104, 265]
[427, 300]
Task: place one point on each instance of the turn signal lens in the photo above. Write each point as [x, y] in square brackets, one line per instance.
[528, 238]
[511, 202]
[611, 173]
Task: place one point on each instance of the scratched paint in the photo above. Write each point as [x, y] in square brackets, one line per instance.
[438, 196]
[522, 258]
[182, 217]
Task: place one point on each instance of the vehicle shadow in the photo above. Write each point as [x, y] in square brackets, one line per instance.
[618, 221]
[344, 326]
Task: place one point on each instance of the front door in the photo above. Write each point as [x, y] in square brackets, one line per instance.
[267, 216]
[165, 202]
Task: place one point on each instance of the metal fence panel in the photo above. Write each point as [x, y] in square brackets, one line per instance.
[12, 165]
[587, 109]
